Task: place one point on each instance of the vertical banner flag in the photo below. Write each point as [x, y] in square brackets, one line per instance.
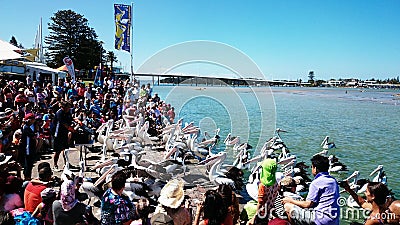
[70, 67]
[123, 21]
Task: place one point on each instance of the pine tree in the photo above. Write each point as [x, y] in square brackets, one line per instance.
[13, 41]
[311, 75]
[110, 57]
[70, 35]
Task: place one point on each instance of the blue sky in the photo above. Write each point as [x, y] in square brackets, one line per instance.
[286, 39]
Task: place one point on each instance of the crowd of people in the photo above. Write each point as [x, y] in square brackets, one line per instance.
[35, 115]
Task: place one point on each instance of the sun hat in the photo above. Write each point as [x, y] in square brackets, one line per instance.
[172, 194]
[29, 116]
[160, 219]
[48, 193]
[288, 182]
[268, 171]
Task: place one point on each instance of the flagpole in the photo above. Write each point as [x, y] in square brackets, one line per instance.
[132, 71]
[41, 41]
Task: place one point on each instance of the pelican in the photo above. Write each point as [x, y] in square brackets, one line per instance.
[215, 176]
[285, 155]
[100, 131]
[380, 175]
[231, 141]
[354, 185]
[326, 144]
[194, 147]
[245, 145]
[135, 188]
[323, 153]
[167, 166]
[148, 171]
[212, 140]
[336, 166]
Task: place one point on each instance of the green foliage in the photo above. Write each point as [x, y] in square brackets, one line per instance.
[70, 35]
[111, 58]
[13, 41]
[311, 75]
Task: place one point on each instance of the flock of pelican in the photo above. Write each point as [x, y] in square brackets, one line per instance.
[128, 141]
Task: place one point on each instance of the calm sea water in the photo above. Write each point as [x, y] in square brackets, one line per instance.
[364, 124]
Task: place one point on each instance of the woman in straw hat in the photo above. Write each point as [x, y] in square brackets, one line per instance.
[171, 203]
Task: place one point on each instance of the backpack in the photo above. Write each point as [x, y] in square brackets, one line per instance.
[26, 218]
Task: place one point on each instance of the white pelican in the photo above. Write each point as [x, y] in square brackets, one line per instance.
[212, 140]
[216, 177]
[336, 166]
[354, 186]
[326, 144]
[231, 141]
[380, 175]
[148, 171]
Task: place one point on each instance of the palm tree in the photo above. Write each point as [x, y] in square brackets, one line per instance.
[110, 57]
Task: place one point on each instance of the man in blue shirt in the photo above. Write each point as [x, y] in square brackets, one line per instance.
[321, 206]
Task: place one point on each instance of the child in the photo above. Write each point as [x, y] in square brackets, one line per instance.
[44, 210]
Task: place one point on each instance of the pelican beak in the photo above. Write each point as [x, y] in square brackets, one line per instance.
[170, 152]
[353, 175]
[291, 163]
[380, 167]
[103, 177]
[209, 159]
[287, 160]
[253, 160]
[101, 165]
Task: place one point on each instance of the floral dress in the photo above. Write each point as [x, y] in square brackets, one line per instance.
[116, 209]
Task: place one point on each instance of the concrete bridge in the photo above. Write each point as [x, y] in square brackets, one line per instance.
[195, 80]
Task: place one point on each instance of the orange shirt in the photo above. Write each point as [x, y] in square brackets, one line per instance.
[32, 196]
[266, 197]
